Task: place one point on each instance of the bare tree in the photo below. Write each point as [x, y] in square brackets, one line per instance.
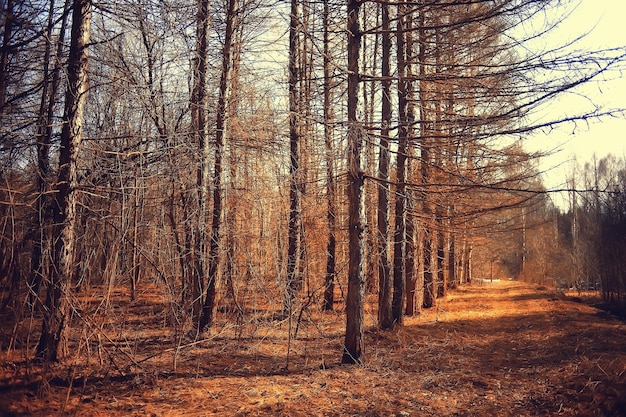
[206, 320]
[425, 163]
[51, 345]
[385, 285]
[295, 175]
[353, 343]
[331, 187]
[9, 23]
[199, 126]
[47, 110]
[403, 24]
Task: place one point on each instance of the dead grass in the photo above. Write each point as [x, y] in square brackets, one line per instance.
[495, 349]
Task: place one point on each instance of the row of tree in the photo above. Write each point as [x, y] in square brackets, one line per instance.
[202, 148]
[460, 111]
[593, 229]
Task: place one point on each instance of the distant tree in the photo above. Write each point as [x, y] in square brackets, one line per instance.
[595, 225]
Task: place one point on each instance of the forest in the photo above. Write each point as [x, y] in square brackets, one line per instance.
[187, 175]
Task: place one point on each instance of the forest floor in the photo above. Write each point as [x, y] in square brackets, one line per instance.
[492, 349]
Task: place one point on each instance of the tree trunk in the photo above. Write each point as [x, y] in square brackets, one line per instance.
[451, 258]
[425, 161]
[51, 347]
[44, 140]
[385, 288]
[460, 267]
[4, 54]
[439, 145]
[329, 288]
[353, 343]
[294, 227]
[200, 134]
[411, 307]
[442, 272]
[467, 264]
[138, 205]
[369, 100]
[399, 236]
[233, 201]
[206, 320]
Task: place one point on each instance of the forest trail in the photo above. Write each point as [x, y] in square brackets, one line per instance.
[492, 349]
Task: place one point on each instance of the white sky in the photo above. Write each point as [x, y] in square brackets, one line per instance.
[604, 20]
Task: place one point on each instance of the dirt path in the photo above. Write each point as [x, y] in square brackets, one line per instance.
[496, 349]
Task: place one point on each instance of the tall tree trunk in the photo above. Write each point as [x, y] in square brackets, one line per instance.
[206, 320]
[294, 227]
[451, 257]
[385, 288]
[331, 246]
[411, 307]
[468, 263]
[439, 146]
[51, 345]
[233, 200]
[44, 140]
[451, 158]
[138, 204]
[442, 273]
[460, 267]
[369, 95]
[305, 127]
[425, 162]
[353, 343]
[399, 235]
[409, 256]
[4, 54]
[200, 133]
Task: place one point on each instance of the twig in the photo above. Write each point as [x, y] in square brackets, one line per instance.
[176, 348]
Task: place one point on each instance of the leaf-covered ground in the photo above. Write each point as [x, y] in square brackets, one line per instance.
[489, 349]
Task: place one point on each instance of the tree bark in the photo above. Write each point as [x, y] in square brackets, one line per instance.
[451, 257]
[294, 226]
[331, 187]
[440, 142]
[385, 284]
[353, 343]
[206, 320]
[411, 307]
[200, 134]
[399, 236]
[425, 162]
[4, 54]
[44, 140]
[51, 347]
[442, 272]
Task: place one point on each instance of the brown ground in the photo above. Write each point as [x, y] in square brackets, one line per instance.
[491, 349]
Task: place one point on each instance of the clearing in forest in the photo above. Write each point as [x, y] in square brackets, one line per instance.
[490, 349]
